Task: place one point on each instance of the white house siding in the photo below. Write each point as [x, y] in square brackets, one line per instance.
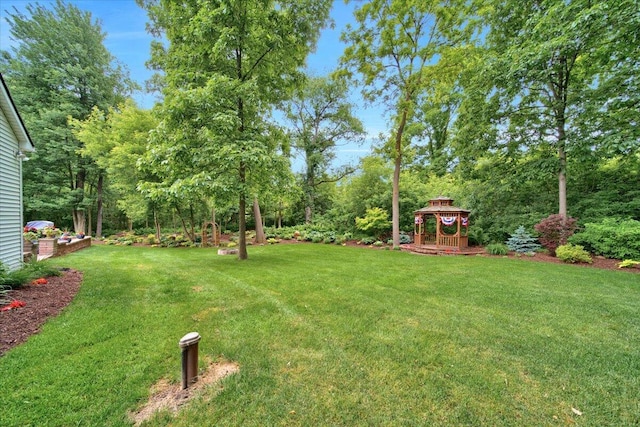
[10, 197]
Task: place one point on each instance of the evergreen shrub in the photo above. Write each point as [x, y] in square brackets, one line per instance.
[522, 242]
[573, 253]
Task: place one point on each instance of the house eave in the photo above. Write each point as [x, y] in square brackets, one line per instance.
[13, 117]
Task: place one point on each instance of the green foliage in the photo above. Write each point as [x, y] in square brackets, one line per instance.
[555, 230]
[116, 140]
[22, 276]
[612, 238]
[522, 242]
[628, 263]
[321, 116]
[573, 253]
[497, 249]
[368, 240]
[226, 67]
[404, 239]
[375, 222]
[396, 50]
[60, 68]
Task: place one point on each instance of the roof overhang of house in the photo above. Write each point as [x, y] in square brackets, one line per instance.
[15, 121]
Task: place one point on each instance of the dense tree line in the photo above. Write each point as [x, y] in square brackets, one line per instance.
[516, 109]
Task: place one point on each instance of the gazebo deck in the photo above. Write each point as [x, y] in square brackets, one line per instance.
[441, 250]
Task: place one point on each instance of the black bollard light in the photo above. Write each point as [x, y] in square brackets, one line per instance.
[189, 346]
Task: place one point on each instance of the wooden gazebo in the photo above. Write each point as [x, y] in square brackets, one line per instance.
[441, 226]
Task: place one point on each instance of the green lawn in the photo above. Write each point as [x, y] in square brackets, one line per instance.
[331, 335]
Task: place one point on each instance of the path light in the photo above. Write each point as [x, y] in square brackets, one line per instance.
[189, 346]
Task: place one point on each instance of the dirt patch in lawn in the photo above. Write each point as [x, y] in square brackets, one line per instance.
[166, 396]
[41, 302]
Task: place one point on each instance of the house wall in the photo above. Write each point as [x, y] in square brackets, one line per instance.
[10, 197]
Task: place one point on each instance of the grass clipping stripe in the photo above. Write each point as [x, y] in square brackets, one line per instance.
[171, 397]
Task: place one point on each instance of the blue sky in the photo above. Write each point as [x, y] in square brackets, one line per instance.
[124, 23]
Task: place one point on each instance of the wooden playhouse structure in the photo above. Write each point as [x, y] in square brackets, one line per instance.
[442, 228]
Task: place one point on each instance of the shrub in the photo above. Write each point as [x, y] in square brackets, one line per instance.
[404, 239]
[554, 231]
[368, 240]
[573, 253]
[17, 278]
[272, 240]
[497, 249]
[628, 263]
[522, 242]
[612, 238]
[378, 243]
[375, 222]
[329, 237]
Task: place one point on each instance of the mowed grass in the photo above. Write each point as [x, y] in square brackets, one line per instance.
[335, 336]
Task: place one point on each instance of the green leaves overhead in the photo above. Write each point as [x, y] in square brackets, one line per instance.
[226, 65]
[58, 69]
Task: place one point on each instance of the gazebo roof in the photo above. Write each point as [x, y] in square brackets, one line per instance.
[441, 209]
[441, 204]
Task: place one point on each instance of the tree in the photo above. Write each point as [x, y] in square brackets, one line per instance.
[59, 68]
[226, 65]
[550, 67]
[395, 42]
[116, 141]
[322, 118]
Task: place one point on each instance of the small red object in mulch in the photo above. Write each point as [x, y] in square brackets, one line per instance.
[40, 281]
[41, 303]
[13, 304]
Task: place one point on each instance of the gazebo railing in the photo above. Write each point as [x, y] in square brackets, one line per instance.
[449, 241]
[453, 241]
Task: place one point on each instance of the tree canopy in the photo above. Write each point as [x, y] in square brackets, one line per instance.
[60, 68]
[516, 109]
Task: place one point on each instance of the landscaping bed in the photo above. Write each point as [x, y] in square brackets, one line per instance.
[41, 302]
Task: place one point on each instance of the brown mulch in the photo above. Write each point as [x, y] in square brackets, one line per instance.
[598, 262]
[42, 302]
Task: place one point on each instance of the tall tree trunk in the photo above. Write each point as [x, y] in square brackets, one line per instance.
[279, 216]
[156, 223]
[395, 203]
[89, 221]
[99, 203]
[309, 187]
[184, 223]
[192, 220]
[562, 180]
[260, 238]
[242, 220]
[79, 218]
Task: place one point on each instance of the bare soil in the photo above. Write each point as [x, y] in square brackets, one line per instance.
[166, 396]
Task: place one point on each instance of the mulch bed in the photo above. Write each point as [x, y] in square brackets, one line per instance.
[42, 302]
